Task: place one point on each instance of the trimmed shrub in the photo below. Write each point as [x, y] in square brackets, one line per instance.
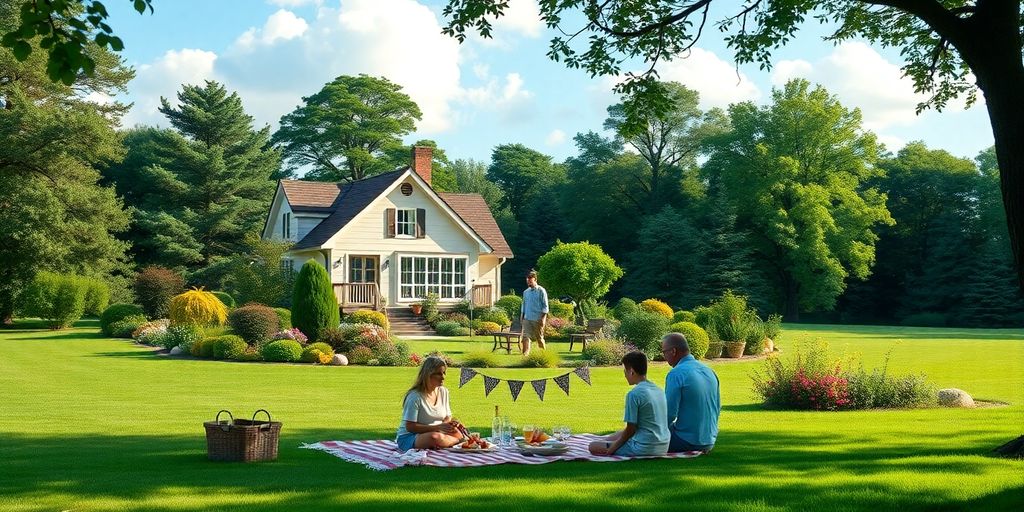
[124, 327]
[657, 306]
[226, 299]
[392, 354]
[925, 320]
[541, 359]
[151, 333]
[606, 352]
[290, 334]
[625, 307]
[559, 309]
[702, 317]
[496, 315]
[512, 304]
[480, 359]
[197, 307]
[314, 306]
[254, 322]
[683, 316]
[116, 312]
[251, 353]
[97, 296]
[59, 299]
[360, 355]
[312, 353]
[644, 330]
[200, 347]
[366, 316]
[429, 304]
[336, 338]
[284, 318]
[487, 327]
[451, 329]
[154, 288]
[228, 346]
[458, 318]
[696, 337]
[282, 351]
[186, 336]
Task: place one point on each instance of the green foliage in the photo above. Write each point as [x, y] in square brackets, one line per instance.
[254, 322]
[451, 329]
[228, 346]
[256, 274]
[925, 320]
[683, 316]
[360, 355]
[644, 330]
[658, 307]
[346, 130]
[154, 288]
[430, 307]
[773, 327]
[366, 316]
[480, 359]
[561, 310]
[314, 306]
[496, 315]
[312, 352]
[58, 299]
[153, 333]
[197, 307]
[337, 339]
[484, 327]
[512, 304]
[626, 306]
[539, 358]
[605, 352]
[124, 327]
[755, 339]
[282, 351]
[696, 337]
[187, 336]
[458, 318]
[580, 270]
[97, 296]
[728, 318]
[391, 354]
[116, 312]
[520, 172]
[226, 299]
[284, 318]
[878, 389]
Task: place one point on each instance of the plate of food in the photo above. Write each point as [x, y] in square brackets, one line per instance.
[554, 448]
[475, 444]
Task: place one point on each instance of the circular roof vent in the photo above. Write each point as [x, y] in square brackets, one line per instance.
[406, 189]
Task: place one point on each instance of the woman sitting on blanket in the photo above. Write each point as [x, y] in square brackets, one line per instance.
[426, 416]
[646, 415]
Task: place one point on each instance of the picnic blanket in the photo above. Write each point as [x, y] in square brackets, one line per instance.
[382, 455]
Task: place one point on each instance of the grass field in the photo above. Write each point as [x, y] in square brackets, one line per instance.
[90, 423]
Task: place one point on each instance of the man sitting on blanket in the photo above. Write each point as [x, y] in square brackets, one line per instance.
[692, 393]
[646, 431]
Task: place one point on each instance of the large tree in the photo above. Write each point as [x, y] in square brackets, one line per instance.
[349, 130]
[944, 42]
[793, 171]
[521, 173]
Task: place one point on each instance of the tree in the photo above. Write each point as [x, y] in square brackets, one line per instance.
[521, 172]
[541, 226]
[471, 178]
[793, 172]
[665, 260]
[580, 270]
[54, 214]
[442, 178]
[257, 274]
[944, 44]
[314, 306]
[346, 131]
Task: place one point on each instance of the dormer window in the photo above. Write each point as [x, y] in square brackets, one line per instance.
[406, 225]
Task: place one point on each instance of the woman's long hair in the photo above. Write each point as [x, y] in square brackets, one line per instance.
[430, 364]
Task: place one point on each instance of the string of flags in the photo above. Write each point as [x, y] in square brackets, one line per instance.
[515, 386]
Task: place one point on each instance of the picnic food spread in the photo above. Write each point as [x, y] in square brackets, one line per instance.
[475, 443]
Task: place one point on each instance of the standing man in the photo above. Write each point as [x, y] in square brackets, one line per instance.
[534, 313]
[693, 398]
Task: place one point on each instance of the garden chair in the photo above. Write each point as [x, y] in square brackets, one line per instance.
[504, 339]
[594, 326]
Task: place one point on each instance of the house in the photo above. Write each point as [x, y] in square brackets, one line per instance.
[389, 240]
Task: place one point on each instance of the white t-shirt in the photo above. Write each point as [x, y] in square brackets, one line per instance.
[418, 409]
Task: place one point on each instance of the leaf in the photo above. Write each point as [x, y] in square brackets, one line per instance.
[21, 50]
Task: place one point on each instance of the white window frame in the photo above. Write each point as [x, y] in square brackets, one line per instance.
[446, 275]
[405, 228]
[286, 225]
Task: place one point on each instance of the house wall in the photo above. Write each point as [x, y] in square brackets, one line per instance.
[305, 223]
[274, 229]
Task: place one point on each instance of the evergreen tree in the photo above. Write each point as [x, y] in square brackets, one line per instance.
[664, 261]
[314, 306]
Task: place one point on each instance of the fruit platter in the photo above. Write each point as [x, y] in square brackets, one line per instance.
[475, 444]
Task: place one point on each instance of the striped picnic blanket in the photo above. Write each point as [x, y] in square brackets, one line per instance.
[382, 455]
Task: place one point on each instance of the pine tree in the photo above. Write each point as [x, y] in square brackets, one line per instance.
[314, 306]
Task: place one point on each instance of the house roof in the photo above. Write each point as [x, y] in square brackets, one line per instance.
[348, 200]
[474, 210]
[311, 196]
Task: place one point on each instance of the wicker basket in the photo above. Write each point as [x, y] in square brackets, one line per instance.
[242, 440]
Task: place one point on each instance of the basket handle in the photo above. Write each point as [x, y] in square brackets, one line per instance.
[225, 426]
[264, 411]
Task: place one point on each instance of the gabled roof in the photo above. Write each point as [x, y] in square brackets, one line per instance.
[348, 200]
[474, 210]
[311, 196]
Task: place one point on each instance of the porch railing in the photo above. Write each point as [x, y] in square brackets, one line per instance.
[357, 295]
[482, 295]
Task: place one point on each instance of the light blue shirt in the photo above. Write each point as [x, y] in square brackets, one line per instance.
[535, 303]
[694, 403]
[646, 408]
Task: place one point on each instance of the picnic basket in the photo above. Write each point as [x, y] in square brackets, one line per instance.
[242, 440]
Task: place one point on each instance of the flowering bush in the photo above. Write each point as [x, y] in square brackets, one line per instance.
[658, 307]
[557, 323]
[290, 334]
[360, 355]
[366, 316]
[316, 353]
[152, 333]
[606, 352]
[415, 359]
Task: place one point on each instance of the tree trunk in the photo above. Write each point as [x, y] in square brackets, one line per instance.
[792, 291]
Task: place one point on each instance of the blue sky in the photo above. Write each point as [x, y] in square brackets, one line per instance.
[484, 92]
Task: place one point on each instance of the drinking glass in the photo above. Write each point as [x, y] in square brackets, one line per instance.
[565, 432]
[507, 432]
[527, 432]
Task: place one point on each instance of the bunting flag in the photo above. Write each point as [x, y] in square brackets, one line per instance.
[539, 386]
[563, 383]
[515, 386]
[583, 372]
[489, 384]
[466, 376]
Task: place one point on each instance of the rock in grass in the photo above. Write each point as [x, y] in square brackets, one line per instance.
[953, 397]
[176, 351]
[339, 360]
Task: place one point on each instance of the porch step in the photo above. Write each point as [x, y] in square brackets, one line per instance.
[405, 323]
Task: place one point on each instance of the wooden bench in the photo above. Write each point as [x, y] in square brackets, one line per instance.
[594, 326]
[503, 339]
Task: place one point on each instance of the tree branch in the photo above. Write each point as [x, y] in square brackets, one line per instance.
[646, 29]
[944, 22]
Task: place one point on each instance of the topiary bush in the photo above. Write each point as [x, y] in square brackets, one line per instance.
[282, 351]
[56, 298]
[606, 352]
[451, 329]
[644, 330]
[185, 336]
[97, 296]
[496, 315]
[360, 355]
[512, 304]
[625, 306]
[124, 327]
[254, 322]
[284, 318]
[154, 287]
[228, 346]
[480, 359]
[314, 352]
[541, 359]
[197, 307]
[657, 306]
[226, 299]
[696, 337]
[558, 309]
[366, 316]
[116, 312]
[314, 306]
[683, 316]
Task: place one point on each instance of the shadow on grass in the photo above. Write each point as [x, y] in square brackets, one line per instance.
[766, 471]
[905, 332]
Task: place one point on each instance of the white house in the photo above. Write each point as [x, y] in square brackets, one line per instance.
[390, 239]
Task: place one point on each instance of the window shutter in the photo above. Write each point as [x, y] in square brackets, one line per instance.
[421, 223]
[389, 222]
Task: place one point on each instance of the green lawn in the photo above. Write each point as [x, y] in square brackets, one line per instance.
[89, 423]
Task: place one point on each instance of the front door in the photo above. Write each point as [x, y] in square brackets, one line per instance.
[362, 269]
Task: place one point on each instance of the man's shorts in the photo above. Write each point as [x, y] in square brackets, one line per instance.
[532, 330]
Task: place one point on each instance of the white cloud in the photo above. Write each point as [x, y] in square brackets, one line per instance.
[280, 26]
[892, 143]
[718, 82]
[495, 95]
[522, 17]
[555, 138]
[164, 77]
[294, 3]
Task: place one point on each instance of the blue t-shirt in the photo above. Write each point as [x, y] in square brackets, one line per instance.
[645, 408]
[692, 394]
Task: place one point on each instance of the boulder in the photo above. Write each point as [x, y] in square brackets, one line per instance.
[339, 360]
[953, 397]
[176, 351]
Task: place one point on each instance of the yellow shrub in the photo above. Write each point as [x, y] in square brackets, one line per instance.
[658, 307]
[488, 327]
[197, 307]
[366, 316]
[324, 358]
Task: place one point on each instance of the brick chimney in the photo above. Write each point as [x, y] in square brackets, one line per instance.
[422, 158]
